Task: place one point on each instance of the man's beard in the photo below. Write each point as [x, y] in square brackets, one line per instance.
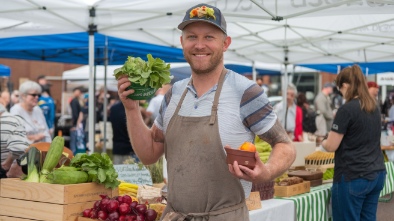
[205, 68]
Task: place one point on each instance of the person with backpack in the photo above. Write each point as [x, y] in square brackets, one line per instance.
[308, 114]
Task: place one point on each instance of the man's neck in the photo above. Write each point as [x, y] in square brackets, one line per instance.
[203, 82]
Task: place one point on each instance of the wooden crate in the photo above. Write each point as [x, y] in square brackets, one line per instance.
[286, 191]
[86, 219]
[42, 211]
[53, 193]
[9, 218]
[20, 200]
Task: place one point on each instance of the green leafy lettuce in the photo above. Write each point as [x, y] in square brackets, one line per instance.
[99, 168]
[152, 73]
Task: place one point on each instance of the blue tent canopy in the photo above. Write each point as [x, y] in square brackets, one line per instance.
[185, 71]
[248, 69]
[74, 48]
[4, 71]
[366, 67]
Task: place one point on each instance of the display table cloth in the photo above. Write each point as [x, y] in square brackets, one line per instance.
[389, 184]
[313, 206]
[274, 210]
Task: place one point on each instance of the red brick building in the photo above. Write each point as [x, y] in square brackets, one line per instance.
[25, 69]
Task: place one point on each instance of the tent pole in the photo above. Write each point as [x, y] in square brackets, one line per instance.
[91, 94]
[105, 95]
[284, 90]
[254, 73]
[92, 131]
[285, 78]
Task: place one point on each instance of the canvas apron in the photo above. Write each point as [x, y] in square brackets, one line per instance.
[200, 186]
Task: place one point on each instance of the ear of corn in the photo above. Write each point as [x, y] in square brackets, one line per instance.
[128, 189]
[32, 170]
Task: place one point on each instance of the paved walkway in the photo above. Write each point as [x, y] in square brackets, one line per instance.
[385, 210]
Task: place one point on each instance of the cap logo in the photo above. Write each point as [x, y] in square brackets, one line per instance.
[202, 12]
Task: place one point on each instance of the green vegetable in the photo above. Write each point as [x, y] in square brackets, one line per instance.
[154, 73]
[67, 177]
[33, 156]
[52, 158]
[329, 174]
[156, 171]
[67, 168]
[99, 168]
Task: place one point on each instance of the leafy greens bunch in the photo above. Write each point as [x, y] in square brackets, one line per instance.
[154, 73]
[99, 168]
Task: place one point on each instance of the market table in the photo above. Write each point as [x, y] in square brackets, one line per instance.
[274, 210]
[389, 184]
[313, 206]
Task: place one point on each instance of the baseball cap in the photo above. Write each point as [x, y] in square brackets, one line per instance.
[372, 84]
[328, 84]
[205, 13]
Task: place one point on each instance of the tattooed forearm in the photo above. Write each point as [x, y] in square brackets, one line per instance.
[157, 134]
[277, 134]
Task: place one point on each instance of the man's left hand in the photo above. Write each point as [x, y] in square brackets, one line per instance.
[259, 173]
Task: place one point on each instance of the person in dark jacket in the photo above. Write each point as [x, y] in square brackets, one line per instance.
[308, 114]
[77, 142]
[122, 148]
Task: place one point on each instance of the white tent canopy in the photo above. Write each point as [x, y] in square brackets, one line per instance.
[285, 32]
[80, 76]
[303, 31]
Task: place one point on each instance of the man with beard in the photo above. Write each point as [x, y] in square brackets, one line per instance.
[214, 109]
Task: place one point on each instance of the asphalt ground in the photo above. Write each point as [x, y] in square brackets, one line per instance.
[385, 209]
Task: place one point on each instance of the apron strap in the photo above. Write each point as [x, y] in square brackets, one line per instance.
[214, 109]
[176, 216]
[178, 107]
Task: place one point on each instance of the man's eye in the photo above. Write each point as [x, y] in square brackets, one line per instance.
[209, 37]
[191, 37]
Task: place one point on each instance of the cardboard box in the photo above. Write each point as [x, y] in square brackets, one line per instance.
[53, 193]
[20, 200]
[286, 191]
[253, 202]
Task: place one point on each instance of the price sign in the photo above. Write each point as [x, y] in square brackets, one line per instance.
[132, 173]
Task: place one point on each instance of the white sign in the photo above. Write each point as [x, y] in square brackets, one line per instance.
[132, 173]
[385, 78]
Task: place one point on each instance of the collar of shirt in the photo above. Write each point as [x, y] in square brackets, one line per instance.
[191, 88]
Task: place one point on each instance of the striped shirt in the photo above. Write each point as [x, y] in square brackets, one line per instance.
[13, 135]
[243, 111]
[34, 122]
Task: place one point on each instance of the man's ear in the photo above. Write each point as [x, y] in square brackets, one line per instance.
[227, 42]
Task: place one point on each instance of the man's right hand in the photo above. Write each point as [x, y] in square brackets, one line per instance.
[123, 83]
